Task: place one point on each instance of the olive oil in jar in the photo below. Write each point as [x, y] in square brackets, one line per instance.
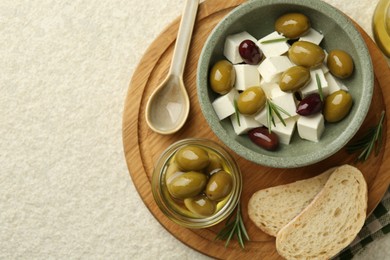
[381, 26]
[198, 205]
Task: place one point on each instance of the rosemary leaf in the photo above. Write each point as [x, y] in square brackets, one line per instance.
[234, 227]
[269, 116]
[275, 40]
[243, 229]
[366, 144]
[237, 112]
[319, 87]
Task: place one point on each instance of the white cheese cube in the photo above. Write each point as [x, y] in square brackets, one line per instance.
[224, 105]
[275, 48]
[261, 117]
[285, 132]
[269, 88]
[246, 123]
[246, 76]
[232, 43]
[271, 68]
[324, 68]
[311, 127]
[312, 86]
[287, 102]
[312, 36]
[334, 84]
[276, 92]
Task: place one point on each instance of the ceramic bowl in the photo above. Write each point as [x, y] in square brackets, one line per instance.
[258, 18]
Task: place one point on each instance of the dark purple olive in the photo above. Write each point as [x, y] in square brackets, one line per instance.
[250, 52]
[310, 105]
[263, 138]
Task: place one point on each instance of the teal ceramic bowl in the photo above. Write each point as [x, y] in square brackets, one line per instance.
[258, 17]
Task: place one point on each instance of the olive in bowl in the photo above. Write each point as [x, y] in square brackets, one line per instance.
[196, 183]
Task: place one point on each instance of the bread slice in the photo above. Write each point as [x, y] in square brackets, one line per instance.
[330, 222]
[271, 209]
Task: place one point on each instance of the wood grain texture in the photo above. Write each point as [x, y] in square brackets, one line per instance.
[143, 147]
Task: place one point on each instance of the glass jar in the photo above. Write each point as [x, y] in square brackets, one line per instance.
[381, 26]
[174, 208]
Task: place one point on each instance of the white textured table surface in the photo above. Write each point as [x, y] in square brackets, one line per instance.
[65, 191]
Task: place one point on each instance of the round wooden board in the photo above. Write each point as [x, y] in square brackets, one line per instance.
[143, 147]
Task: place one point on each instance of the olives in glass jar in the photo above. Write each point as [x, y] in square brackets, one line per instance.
[306, 54]
[340, 64]
[200, 205]
[219, 185]
[337, 106]
[294, 78]
[192, 158]
[251, 101]
[292, 25]
[214, 165]
[198, 193]
[222, 77]
[173, 170]
[186, 185]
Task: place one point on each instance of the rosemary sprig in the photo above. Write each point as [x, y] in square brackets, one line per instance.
[366, 144]
[319, 87]
[234, 226]
[273, 109]
[275, 40]
[237, 112]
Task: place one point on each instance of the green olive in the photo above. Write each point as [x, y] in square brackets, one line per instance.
[251, 101]
[222, 77]
[294, 78]
[219, 185]
[215, 164]
[200, 205]
[306, 54]
[337, 106]
[340, 63]
[188, 184]
[192, 158]
[292, 25]
[172, 172]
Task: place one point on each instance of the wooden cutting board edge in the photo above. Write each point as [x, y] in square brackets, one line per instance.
[141, 74]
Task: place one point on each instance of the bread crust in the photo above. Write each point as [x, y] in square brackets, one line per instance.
[330, 222]
[272, 208]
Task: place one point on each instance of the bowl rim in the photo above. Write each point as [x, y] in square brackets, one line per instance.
[326, 151]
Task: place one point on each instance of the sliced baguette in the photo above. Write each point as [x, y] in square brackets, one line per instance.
[271, 209]
[330, 222]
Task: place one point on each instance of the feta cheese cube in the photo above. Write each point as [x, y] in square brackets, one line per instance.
[246, 76]
[312, 86]
[324, 68]
[334, 84]
[275, 48]
[287, 102]
[246, 123]
[285, 132]
[311, 127]
[312, 36]
[261, 117]
[276, 92]
[269, 88]
[224, 105]
[271, 68]
[232, 43]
